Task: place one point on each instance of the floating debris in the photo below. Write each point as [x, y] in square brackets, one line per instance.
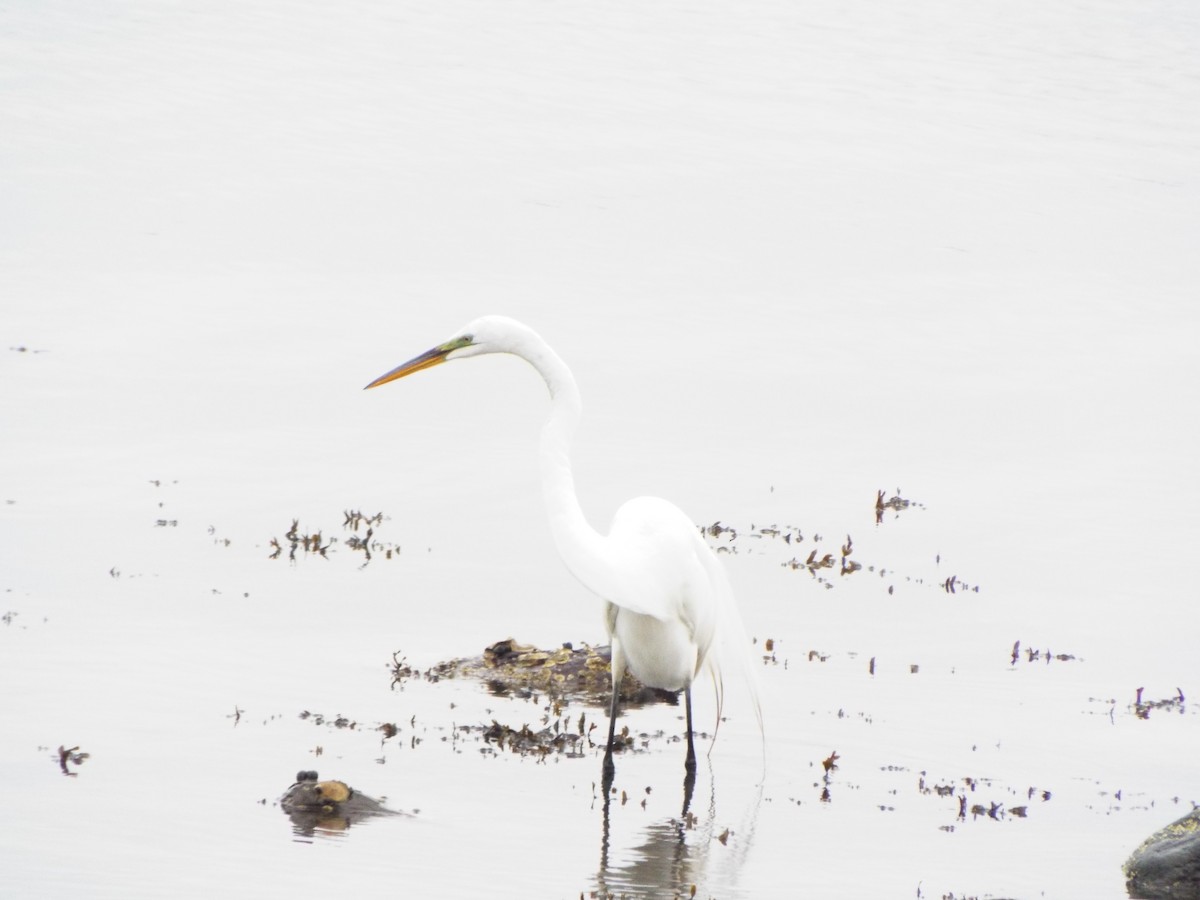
[302, 541]
[849, 565]
[953, 585]
[812, 563]
[730, 538]
[896, 503]
[768, 656]
[525, 741]
[355, 518]
[716, 529]
[1031, 655]
[1142, 708]
[162, 521]
[962, 788]
[70, 757]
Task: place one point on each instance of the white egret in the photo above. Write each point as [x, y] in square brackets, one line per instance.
[669, 608]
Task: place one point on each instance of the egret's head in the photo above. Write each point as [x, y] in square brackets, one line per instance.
[491, 334]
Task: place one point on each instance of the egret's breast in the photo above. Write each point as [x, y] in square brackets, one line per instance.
[660, 653]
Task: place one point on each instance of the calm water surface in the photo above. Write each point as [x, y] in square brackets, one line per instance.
[794, 257]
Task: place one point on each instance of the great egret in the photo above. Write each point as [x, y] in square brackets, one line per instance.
[669, 608]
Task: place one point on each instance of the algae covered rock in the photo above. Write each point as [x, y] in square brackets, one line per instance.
[511, 668]
[1167, 864]
[327, 806]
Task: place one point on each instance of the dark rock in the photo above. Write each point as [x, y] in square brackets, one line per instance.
[1167, 864]
[327, 806]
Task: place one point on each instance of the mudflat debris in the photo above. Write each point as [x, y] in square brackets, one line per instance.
[509, 667]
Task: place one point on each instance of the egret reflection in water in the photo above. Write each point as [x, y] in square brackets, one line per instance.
[678, 852]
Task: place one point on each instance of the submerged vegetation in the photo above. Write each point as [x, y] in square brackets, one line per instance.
[823, 561]
[301, 542]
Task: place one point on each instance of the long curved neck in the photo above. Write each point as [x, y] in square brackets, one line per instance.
[580, 545]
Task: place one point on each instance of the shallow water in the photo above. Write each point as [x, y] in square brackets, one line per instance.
[793, 257]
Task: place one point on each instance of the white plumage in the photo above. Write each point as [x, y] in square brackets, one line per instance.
[669, 607]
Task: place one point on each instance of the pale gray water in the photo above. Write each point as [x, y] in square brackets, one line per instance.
[793, 254]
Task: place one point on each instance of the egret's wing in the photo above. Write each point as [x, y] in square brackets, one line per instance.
[667, 571]
[653, 553]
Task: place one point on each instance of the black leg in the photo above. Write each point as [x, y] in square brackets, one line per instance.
[690, 764]
[608, 770]
[689, 767]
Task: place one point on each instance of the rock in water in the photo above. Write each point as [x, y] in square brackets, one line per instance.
[1167, 864]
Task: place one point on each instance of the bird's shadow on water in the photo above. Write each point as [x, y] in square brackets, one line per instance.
[678, 852]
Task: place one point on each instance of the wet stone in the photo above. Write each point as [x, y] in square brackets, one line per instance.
[1167, 864]
[314, 805]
